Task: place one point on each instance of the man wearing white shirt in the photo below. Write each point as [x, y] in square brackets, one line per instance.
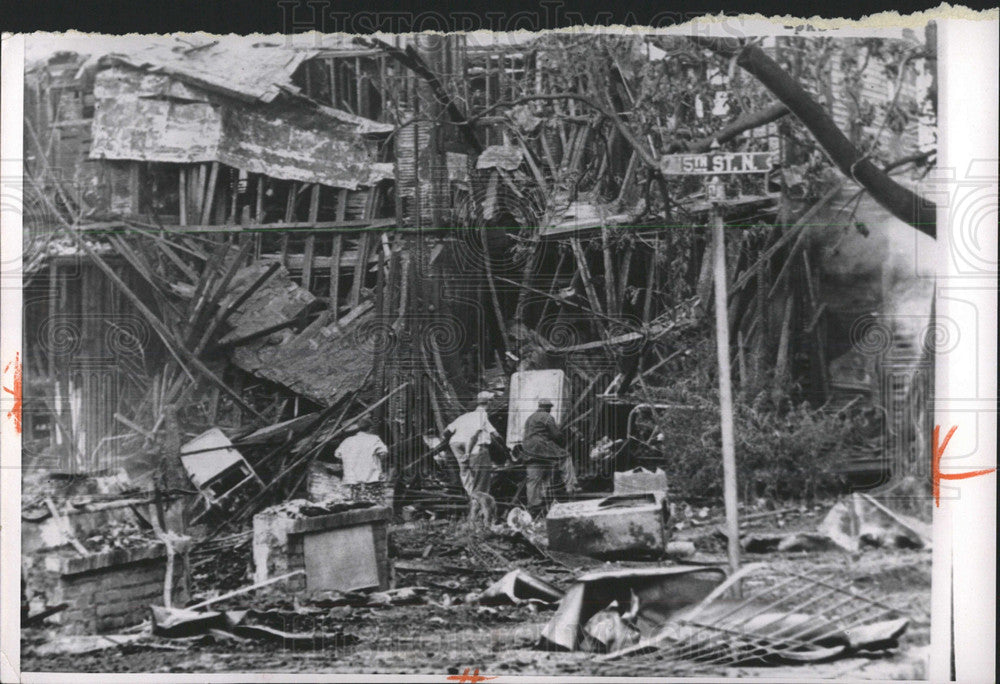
[472, 433]
[362, 455]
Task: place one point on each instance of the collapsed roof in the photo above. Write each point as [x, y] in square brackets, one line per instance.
[233, 105]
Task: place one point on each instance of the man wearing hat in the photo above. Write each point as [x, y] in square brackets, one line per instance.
[470, 439]
[543, 454]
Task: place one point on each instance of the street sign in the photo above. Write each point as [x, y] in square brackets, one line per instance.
[720, 164]
[717, 163]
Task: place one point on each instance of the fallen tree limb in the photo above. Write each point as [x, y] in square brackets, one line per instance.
[904, 204]
[747, 122]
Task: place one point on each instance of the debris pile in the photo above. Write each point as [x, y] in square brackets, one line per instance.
[279, 446]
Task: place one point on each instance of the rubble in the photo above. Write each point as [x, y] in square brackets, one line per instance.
[659, 592]
[268, 279]
[518, 586]
[861, 521]
[344, 550]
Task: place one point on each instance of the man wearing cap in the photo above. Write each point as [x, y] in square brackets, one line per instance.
[470, 439]
[543, 454]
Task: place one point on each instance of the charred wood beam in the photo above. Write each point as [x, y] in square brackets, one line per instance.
[903, 203]
[212, 302]
[256, 285]
[172, 344]
[223, 314]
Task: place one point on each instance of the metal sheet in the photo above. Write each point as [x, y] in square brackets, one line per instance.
[287, 141]
[205, 465]
[526, 388]
[239, 70]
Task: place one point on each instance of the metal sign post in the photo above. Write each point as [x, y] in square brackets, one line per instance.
[713, 165]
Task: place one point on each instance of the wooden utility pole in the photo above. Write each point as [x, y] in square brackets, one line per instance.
[712, 166]
[725, 389]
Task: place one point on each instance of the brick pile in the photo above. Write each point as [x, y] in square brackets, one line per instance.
[105, 591]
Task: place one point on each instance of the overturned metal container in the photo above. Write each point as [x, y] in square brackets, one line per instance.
[621, 526]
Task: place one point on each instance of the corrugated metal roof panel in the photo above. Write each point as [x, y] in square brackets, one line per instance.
[243, 71]
[145, 116]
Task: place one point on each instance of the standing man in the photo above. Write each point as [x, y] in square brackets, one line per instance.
[364, 457]
[472, 433]
[543, 454]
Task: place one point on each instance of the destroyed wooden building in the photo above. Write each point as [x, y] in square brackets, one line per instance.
[235, 252]
[247, 237]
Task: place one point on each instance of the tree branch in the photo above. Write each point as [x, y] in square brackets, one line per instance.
[900, 201]
[412, 60]
[644, 153]
[747, 122]
[918, 158]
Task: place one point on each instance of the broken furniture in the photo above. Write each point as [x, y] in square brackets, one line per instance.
[630, 526]
[215, 467]
[344, 550]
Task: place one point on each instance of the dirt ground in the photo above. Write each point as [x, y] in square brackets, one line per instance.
[447, 632]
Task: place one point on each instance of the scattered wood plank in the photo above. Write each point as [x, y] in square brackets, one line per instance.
[610, 290]
[206, 209]
[359, 270]
[647, 306]
[212, 303]
[310, 246]
[781, 364]
[488, 268]
[182, 187]
[246, 590]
